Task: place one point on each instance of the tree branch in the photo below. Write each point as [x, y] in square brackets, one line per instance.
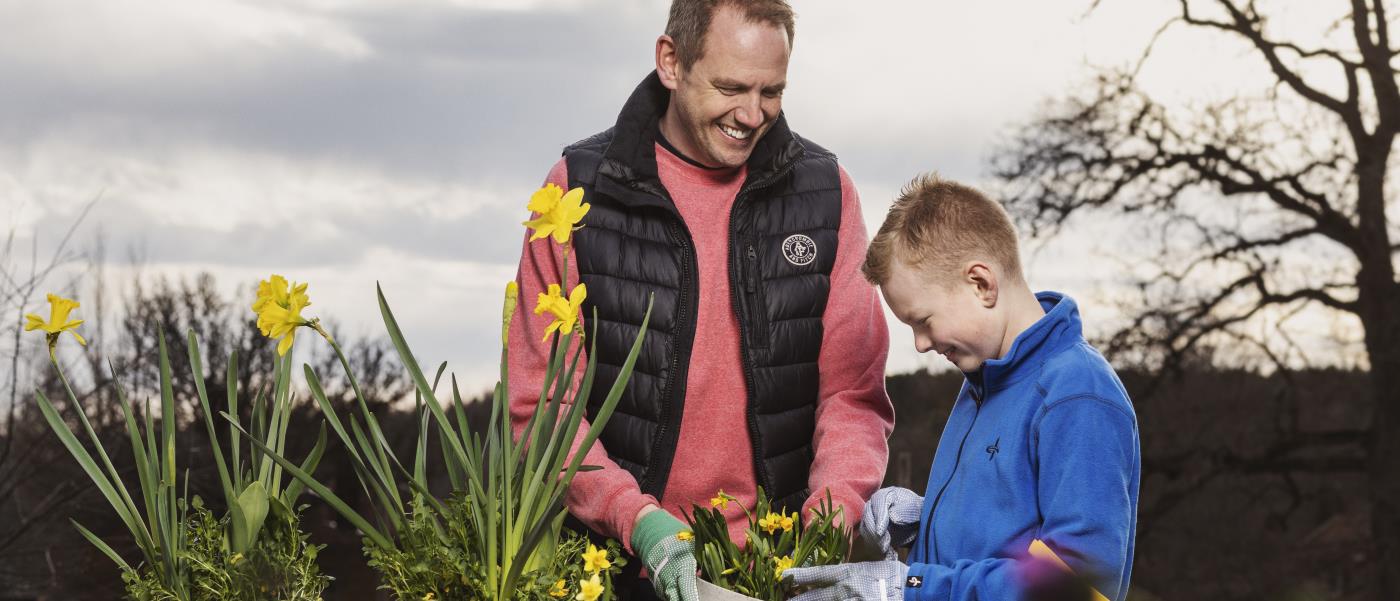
[1249, 26]
[1376, 55]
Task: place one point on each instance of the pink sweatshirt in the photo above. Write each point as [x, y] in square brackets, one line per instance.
[854, 416]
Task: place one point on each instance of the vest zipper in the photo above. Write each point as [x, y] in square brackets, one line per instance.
[672, 404]
[761, 475]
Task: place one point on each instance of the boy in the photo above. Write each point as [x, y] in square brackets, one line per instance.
[1042, 442]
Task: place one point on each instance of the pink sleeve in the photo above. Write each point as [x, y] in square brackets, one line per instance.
[606, 500]
[854, 414]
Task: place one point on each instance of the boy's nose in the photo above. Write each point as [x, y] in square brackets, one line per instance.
[922, 343]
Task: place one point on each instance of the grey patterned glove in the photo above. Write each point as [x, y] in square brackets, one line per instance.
[670, 561]
[869, 581]
[891, 519]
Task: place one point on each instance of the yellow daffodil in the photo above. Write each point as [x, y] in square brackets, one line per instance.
[788, 521]
[685, 535]
[58, 322]
[589, 590]
[279, 306]
[721, 500]
[595, 560]
[429, 597]
[781, 564]
[558, 591]
[558, 212]
[565, 311]
[771, 522]
[508, 311]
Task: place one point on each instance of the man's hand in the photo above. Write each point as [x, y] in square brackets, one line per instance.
[891, 519]
[870, 581]
[670, 561]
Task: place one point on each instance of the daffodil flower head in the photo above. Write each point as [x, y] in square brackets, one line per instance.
[564, 311]
[279, 306]
[589, 590]
[558, 591]
[771, 523]
[685, 535]
[558, 212]
[59, 310]
[721, 500]
[595, 560]
[781, 564]
[787, 521]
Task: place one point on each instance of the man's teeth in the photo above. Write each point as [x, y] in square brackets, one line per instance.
[736, 134]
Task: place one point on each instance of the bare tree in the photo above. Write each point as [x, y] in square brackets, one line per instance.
[22, 453]
[1264, 209]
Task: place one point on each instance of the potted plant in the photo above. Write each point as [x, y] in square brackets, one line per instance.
[773, 542]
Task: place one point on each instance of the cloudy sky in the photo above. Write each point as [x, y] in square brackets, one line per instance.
[348, 142]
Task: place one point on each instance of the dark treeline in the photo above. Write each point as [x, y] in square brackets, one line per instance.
[1238, 502]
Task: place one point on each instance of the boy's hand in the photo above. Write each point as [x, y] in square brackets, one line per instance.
[670, 561]
[891, 519]
[869, 581]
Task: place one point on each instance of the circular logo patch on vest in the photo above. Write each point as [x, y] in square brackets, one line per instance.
[799, 250]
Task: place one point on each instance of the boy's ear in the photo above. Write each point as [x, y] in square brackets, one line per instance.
[984, 281]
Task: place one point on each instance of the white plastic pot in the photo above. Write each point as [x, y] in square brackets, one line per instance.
[710, 592]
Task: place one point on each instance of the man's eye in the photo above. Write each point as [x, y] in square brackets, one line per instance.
[728, 91]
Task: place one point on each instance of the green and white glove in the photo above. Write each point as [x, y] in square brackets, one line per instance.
[670, 561]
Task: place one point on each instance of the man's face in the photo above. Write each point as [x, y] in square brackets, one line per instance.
[729, 98]
[948, 315]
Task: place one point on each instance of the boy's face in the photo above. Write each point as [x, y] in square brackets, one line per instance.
[954, 314]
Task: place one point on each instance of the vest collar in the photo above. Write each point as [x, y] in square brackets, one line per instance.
[630, 158]
[1060, 328]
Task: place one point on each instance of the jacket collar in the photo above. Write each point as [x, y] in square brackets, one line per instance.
[1059, 329]
[630, 158]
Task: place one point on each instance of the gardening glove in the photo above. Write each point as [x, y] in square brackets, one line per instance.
[670, 561]
[869, 581]
[891, 519]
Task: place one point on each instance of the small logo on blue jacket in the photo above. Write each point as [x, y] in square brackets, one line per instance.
[914, 582]
[992, 449]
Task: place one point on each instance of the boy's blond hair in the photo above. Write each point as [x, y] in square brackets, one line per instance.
[941, 225]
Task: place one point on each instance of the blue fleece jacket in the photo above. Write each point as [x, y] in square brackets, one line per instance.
[1041, 443]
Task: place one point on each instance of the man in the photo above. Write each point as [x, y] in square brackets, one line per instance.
[764, 362]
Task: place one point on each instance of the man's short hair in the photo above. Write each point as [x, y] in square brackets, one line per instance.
[940, 225]
[690, 21]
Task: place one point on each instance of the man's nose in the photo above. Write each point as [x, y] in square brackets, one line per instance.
[750, 113]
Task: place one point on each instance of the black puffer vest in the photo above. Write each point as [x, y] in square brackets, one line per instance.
[782, 244]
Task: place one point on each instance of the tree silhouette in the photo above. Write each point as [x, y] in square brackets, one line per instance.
[1264, 208]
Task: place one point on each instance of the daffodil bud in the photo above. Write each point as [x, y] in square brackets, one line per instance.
[508, 311]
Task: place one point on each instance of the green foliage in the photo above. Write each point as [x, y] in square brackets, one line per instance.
[280, 565]
[164, 532]
[432, 561]
[508, 495]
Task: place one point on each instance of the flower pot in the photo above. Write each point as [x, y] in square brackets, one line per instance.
[710, 592]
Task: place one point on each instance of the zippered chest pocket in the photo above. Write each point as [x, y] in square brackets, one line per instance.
[751, 271]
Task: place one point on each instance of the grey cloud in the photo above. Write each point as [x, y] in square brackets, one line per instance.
[446, 92]
[485, 235]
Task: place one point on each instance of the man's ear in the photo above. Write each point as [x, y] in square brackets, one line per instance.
[984, 281]
[668, 65]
